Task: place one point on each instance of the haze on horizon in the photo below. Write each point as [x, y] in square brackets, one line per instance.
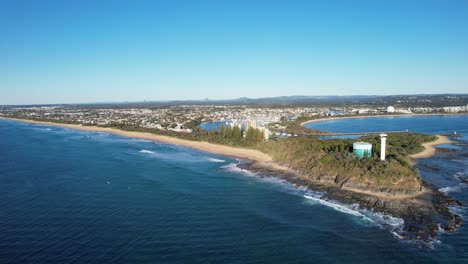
[94, 51]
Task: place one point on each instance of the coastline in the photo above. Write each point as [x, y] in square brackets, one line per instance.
[429, 147]
[243, 153]
[375, 116]
[255, 156]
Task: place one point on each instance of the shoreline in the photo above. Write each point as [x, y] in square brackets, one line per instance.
[430, 147]
[236, 152]
[256, 156]
[375, 116]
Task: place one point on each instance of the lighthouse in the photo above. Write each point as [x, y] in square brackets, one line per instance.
[383, 140]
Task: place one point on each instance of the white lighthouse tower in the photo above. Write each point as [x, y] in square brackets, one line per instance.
[383, 140]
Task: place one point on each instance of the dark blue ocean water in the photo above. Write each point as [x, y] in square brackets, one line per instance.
[71, 196]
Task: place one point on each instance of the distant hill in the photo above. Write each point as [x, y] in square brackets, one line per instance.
[422, 100]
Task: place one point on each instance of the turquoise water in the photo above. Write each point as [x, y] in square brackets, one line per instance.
[86, 197]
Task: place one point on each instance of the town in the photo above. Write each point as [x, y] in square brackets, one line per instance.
[183, 118]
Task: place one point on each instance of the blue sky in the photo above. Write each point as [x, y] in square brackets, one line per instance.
[89, 51]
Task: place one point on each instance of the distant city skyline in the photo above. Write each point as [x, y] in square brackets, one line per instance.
[109, 51]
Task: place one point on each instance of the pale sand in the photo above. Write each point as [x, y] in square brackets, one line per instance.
[243, 153]
[429, 147]
[371, 116]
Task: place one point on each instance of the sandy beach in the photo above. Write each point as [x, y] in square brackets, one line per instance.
[244, 153]
[429, 147]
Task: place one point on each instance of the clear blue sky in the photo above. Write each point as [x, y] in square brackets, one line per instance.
[88, 51]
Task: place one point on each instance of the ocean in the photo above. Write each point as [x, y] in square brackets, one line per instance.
[71, 196]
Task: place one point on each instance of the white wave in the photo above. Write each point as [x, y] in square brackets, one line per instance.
[214, 160]
[394, 223]
[453, 189]
[179, 157]
[459, 176]
[395, 234]
[232, 167]
[283, 184]
[336, 206]
[148, 152]
[42, 128]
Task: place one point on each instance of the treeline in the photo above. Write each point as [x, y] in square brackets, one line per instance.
[235, 133]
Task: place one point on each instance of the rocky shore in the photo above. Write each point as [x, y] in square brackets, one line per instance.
[425, 214]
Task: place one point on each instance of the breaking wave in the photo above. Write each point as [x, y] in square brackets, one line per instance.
[181, 157]
[148, 152]
[337, 207]
[393, 224]
[460, 176]
[453, 189]
[232, 167]
[214, 160]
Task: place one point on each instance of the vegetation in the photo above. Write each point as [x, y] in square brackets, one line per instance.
[401, 144]
[333, 161]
